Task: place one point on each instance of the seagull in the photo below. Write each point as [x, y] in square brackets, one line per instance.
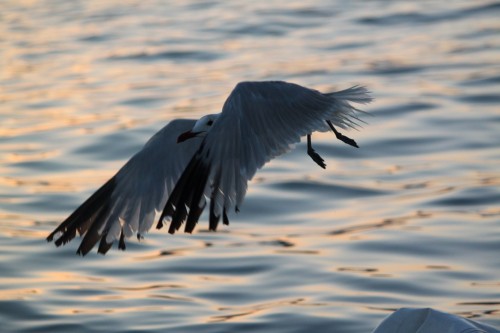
[191, 163]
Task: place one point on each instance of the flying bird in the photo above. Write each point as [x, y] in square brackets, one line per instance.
[190, 164]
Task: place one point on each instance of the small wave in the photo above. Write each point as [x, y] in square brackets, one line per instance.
[401, 18]
[393, 68]
[95, 38]
[302, 13]
[470, 197]
[258, 30]
[481, 99]
[346, 46]
[142, 101]
[482, 81]
[404, 109]
[322, 189]
[169, 55]
[421, 18]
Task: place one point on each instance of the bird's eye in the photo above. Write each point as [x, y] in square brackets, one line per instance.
[210, 122]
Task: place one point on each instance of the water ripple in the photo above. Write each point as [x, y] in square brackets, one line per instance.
[410, 219]
[177, 56]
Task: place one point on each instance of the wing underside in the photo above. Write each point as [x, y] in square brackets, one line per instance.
[259, 121]
[126, 205]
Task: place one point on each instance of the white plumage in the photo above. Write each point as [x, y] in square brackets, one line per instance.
[189, 163]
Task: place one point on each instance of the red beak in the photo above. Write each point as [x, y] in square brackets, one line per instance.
[186, 135]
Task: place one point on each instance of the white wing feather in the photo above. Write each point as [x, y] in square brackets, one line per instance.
[259, 121]
[128, 202]
[144, 183]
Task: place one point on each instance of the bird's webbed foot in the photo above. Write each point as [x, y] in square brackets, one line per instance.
[342, 137]
[313, 154]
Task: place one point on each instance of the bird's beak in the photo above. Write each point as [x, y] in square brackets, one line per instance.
[186, 135]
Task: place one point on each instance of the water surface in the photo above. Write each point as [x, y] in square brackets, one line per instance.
[409, 219]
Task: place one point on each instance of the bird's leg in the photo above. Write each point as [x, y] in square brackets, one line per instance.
[314, 155]
[342, 137]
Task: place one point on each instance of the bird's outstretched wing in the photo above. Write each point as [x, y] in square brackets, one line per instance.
[259, 121]
[127, 203]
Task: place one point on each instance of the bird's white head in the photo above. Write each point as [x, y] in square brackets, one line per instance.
[200, 128]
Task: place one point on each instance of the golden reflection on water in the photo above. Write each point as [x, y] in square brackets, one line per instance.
[238, 313]
[63, 182]
[19, 294]
[65, 276]
[35, 156]
[63, 93]
[49, 120]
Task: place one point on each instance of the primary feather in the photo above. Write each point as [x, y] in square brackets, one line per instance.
[127, 203]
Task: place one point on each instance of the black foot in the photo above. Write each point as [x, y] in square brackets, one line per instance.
[316, 158]
[346, 139]
[342, 137]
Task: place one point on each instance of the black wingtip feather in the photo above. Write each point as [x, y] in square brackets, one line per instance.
[193, 217]
[225, 219]
[121, 243]
[103, 245]
[91, 213]
[213, 219]
[184, 201]
[178, 218]
[92, 236]
[196, 195]
[80, 218]
[65, 237]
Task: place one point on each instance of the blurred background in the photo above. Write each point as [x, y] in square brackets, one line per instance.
[411, 219]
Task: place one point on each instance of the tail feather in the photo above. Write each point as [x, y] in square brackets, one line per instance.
[356, 94]
[344, 114]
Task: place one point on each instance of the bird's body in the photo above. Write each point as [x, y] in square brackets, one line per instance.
[190, 164]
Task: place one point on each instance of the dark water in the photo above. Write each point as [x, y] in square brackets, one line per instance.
[411, 219]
